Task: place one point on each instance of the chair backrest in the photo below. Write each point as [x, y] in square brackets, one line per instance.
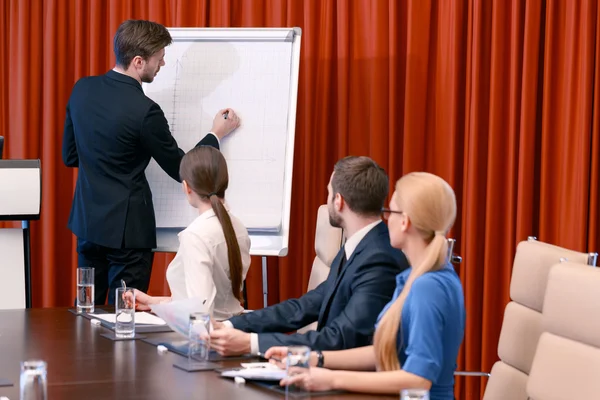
[567, 359]
[328, 241]
[522, 324]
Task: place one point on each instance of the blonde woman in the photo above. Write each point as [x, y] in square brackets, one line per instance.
[418, 334]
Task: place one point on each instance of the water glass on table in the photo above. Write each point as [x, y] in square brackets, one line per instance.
[199, 336]
[297, 362]
[125, 312]
[33, 381]
[85, 290]
[414, 394]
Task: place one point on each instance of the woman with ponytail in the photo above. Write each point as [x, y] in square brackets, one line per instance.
[419, 333]
[214, 250]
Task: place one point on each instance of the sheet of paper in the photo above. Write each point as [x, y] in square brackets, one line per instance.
[265, 365]
[176, 313]
[142, 318]
[262, 374]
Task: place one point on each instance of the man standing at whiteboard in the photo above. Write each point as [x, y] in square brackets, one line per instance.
[112, 130]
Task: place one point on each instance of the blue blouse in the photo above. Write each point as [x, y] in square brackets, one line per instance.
[432, 328]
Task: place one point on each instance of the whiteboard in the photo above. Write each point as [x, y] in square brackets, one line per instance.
[255, 72]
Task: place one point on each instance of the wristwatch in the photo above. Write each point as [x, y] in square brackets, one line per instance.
[320, 359]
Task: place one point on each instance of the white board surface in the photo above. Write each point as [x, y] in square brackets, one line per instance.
[254, 72]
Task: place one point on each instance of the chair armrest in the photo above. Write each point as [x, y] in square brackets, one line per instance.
[472, 373]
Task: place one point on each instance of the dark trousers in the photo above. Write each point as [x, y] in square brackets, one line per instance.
[134, 266]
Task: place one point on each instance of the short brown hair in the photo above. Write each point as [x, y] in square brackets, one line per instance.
[139, 38]
[363, 184]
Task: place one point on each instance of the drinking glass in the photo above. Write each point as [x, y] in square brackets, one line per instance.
[85, 290]
[199, 336]
[297, 362]
[33, 381]
[125, 313]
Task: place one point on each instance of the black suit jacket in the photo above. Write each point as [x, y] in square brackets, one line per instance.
[112, 130]
[346, 305]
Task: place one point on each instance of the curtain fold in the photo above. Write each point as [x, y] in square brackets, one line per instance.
[500, 98]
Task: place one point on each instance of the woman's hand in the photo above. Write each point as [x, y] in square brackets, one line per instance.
[277, 355]
[142, 300]
[313, 380]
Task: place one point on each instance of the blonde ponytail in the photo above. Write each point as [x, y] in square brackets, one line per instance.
[385, 341]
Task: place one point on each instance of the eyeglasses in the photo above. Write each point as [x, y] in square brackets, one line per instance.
[386, 212]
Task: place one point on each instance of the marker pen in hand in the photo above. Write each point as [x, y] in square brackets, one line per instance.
[225, 114]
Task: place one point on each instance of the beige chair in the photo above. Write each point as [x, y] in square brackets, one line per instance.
[522, 324]
[328, 241]
[567, 359]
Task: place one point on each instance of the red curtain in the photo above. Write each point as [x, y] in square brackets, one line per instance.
[500, 98]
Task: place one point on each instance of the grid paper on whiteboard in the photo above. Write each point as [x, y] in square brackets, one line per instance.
[198, 80]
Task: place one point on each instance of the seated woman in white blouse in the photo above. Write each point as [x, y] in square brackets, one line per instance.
[214, 250]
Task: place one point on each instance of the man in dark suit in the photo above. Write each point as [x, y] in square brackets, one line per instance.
[360, 283]
[112, 130]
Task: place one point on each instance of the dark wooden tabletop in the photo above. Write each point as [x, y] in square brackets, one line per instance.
[84, 365]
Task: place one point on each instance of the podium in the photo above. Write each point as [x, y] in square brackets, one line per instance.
[20, 200]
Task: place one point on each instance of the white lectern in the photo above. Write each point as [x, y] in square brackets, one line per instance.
[20, 200]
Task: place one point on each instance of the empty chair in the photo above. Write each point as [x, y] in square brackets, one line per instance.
[567, 359]
[328, 241]
[522, 324]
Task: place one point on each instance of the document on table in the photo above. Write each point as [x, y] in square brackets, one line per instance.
[256, 371]
[142, 318]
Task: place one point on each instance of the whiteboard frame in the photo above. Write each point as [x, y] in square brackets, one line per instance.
[262, 243]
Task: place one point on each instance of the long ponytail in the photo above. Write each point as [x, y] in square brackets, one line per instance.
[204, 169]
[233, 248]
[385, 340]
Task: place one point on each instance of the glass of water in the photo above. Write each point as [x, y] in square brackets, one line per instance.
[199, 336]
[414, 394]
[125, 312]
[297, 362]
[33, 380]
[85, 290]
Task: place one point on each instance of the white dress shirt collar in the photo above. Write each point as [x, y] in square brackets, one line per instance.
[355, 239]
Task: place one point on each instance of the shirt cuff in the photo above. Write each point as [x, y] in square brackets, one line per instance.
[227, 324]
[216, 137]
[254, 350]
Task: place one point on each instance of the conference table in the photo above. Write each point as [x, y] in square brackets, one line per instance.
[84, 365]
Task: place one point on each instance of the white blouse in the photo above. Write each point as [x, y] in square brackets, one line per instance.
[201, 266]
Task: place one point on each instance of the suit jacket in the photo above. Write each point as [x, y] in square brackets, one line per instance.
[346, 305]
[112, 130]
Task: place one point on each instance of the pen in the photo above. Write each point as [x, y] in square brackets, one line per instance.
[225, 114]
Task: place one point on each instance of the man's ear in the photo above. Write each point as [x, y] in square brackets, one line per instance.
[338, 202]
[137, 62]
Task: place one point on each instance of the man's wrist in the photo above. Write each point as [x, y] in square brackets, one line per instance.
[227, 323]
[219, 137]
[254, 345]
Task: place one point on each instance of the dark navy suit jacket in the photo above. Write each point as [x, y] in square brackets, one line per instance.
[112, 130]
[346, 305]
